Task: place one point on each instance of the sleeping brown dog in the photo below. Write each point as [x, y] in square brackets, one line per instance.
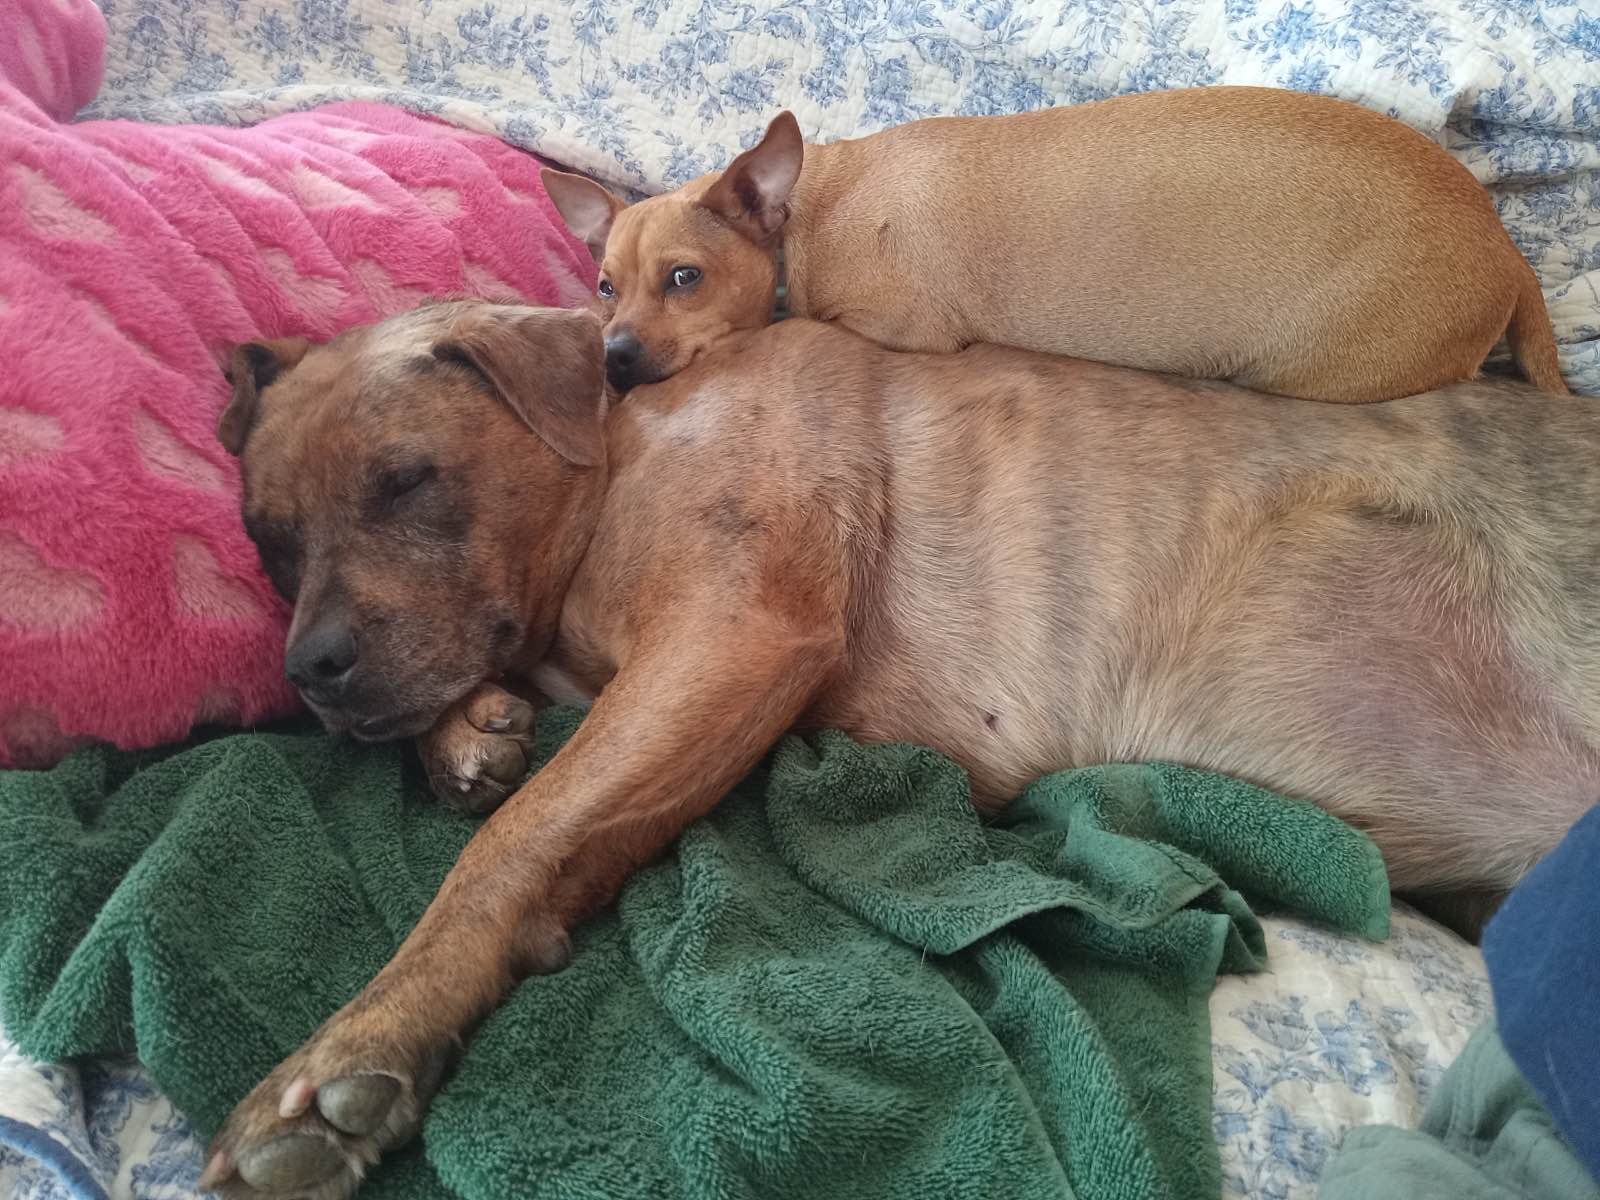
[1027, 562]
[1295, 244]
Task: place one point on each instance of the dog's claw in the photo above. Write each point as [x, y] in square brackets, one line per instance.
[290, 1162]
[515, 715]
[297, 1097]
[218, 1170]
[358, 1104]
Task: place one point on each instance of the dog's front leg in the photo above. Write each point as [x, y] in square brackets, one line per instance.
[690, 714]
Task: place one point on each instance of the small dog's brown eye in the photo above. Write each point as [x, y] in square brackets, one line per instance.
[607, 292]
[683, 277]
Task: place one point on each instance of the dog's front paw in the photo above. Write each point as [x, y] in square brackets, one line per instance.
[481, 749]
[313, 1127]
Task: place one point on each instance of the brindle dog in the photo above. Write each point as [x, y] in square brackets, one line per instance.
[1029, 563]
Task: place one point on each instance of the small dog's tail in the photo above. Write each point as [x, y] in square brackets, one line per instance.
[1533, 339]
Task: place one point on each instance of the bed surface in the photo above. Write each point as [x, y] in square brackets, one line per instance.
[1341, 1032]
[646, 94]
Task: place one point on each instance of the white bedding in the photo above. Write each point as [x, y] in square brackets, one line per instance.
[1339, 1033]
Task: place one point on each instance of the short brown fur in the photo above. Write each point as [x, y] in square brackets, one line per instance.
[1029, 563]
[1292, 243]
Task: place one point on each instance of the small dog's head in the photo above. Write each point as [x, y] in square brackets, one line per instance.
[682, 271]
[421, 490]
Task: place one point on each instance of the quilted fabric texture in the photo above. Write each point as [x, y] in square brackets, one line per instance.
[131, 603]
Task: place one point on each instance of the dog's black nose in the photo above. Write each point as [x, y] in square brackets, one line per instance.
[623, 355]
[321, 661]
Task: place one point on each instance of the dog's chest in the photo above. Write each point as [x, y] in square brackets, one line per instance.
[581, 660]
[560, 684]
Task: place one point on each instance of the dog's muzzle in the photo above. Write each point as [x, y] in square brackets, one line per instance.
[627, 363]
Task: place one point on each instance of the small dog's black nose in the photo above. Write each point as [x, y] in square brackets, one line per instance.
[321, 661]
[623, 354]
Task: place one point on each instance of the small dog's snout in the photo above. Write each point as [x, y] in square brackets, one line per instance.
[623, 354]
[321, 662]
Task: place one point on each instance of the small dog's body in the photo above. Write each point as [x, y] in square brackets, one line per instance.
[1029, 563]
[1291, 243]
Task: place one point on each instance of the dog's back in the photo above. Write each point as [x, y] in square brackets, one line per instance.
[1240, 233]
[1391, 610]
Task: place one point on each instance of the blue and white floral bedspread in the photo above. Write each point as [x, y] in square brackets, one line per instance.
[649, 93]
[93, 1132]
[1340, 1033]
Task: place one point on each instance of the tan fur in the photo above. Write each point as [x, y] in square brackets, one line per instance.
[1292, 243]
[1029, 563]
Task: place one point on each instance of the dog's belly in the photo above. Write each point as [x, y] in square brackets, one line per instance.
[1334, 655]
[1459, 769]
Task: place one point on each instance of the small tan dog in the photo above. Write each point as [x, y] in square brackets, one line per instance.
[1291, 243]
[1028, 562]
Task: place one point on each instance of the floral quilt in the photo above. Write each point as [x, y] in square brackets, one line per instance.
[646, 94]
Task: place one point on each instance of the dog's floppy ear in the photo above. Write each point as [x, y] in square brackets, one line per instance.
[753, 192]
[547, 364]
[586, 207]
[250, 369]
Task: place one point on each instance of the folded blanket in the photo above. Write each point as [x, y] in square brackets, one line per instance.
[1485, 1136]
[840, 984]
[1543, 951]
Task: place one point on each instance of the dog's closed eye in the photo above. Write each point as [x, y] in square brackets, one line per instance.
[396, 483]
[278, 544]
[417, 501]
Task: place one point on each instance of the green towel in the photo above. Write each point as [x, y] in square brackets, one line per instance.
[841, 984]
[1484, 1136]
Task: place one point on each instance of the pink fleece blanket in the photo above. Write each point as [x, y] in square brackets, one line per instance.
[131, 603]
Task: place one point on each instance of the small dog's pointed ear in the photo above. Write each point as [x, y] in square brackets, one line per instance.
[753, 192]
[586, 207]
[547, 364]
[251, 368]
